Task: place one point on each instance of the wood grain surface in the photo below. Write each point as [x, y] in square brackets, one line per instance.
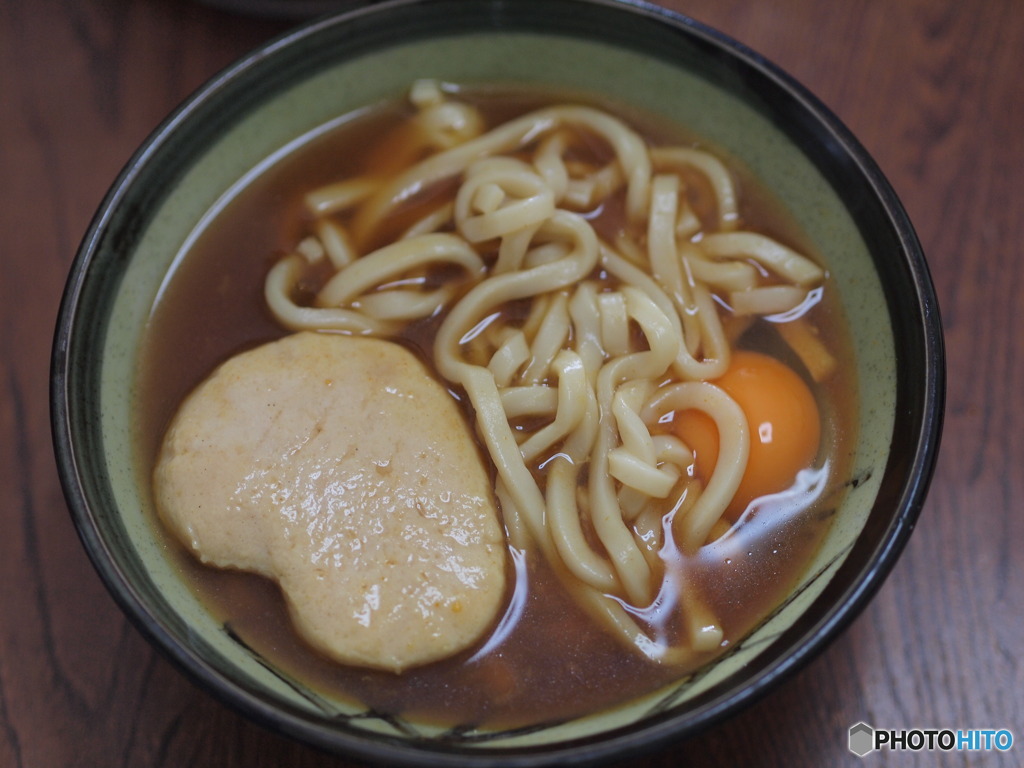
[933, 89]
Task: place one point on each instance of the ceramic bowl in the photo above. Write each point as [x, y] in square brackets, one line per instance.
[634, 54]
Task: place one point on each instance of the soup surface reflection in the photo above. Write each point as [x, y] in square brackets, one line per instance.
[547, 658]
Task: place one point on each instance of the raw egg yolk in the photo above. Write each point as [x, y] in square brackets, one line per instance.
[785, 428]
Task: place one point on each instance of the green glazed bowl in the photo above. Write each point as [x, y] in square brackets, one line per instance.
[637, 55]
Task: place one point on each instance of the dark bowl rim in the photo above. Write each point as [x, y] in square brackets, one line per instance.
[631, 740]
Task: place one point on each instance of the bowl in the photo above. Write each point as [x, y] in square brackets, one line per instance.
[280, 9]
[635, 54]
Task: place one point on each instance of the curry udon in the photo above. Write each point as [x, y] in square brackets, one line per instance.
[645, 348]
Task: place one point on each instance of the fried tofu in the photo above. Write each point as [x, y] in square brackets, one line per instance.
[340, 468]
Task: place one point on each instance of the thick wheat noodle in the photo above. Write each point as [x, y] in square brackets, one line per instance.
[488, 186]
[630, 470]
[519, 535]
[594, 573]
[278, 288]
[479, 382]
[728, 275]
[394, 260]
[586, 192]
[551, 336]
[431, 222]
[671, 449]
[635, 463]
[716, 355]
[586, 321]
[665, 265]
[688, 225]
[784, 261]
[572, 403]
[633, 433]
[574, 361]
[538, 311]
[628, 146]
[616, 538]
[447, 124]
[529, 401]
[545, 253]
[563, 514]
[677, 158]
[493, 293]
[336, 243]
[646, 517]
[521, 488]
[513, 248]
[509, 358]
[340, 196]
[439, 124]
[548, 162]
[630, 274]
[564, 523]
[614, 323]
[632, 502]
[650, 521]
[734, 441]
[702, 329]
[574, 191]
[767, 300]
[614, 615]
[402, 304]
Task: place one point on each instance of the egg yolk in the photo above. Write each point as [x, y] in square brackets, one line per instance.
[785, 428]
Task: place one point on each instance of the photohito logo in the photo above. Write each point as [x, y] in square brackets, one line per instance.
[862, 739]
[865, 739]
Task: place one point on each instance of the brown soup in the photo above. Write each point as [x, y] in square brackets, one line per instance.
[547, 660]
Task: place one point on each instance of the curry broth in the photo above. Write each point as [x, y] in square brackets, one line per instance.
[553, 662]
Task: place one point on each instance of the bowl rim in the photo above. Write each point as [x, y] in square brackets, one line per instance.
[923, 408]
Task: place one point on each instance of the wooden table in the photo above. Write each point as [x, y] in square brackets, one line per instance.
[934, 90]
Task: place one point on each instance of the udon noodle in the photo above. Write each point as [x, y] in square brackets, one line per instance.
[572, 340]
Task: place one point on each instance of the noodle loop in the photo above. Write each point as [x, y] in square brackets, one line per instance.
[572, 350]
